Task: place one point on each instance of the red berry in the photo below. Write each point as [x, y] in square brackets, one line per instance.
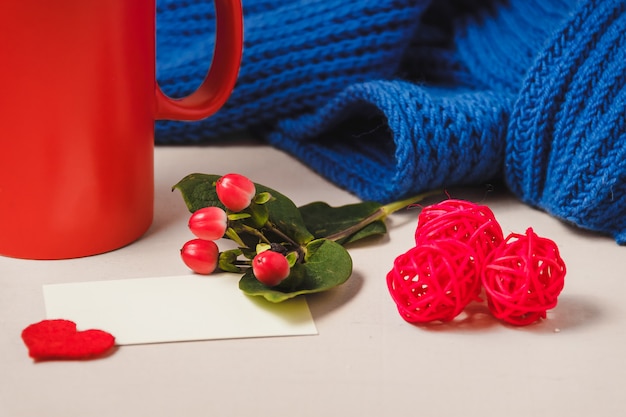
[208, 223]
[201, 256]
[235, 191]
[270, 268]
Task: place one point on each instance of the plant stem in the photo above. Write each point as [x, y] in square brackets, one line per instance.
[232, 235]
[380, 214]
[255, 232]
[292, 242]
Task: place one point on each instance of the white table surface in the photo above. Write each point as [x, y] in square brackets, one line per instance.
[366, 361]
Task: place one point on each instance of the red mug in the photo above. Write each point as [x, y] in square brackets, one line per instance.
[77, 112]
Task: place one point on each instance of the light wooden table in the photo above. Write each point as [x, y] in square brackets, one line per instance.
[366, 361]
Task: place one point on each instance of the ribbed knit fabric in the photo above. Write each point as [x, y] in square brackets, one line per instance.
[566, 147]
[297, 55]
[393, 97]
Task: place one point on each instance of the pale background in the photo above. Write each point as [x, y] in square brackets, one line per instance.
[366, 361]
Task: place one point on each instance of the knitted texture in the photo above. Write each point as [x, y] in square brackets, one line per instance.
[566, 148]
[388, 98]
[297, 55]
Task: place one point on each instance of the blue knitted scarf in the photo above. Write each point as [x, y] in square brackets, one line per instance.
[388, 98]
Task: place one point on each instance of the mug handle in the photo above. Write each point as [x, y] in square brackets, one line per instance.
[222, 75]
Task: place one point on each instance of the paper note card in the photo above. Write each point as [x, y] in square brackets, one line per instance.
[174, 309]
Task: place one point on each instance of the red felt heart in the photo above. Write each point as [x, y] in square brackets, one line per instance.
[59, 339]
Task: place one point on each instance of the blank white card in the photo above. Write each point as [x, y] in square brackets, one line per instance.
[175, 308]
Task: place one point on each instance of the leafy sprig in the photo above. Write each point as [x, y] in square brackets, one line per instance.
[312, 237]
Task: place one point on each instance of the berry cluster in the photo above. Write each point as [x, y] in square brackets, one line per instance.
[283, 250]
[459, 249]
[237, 194]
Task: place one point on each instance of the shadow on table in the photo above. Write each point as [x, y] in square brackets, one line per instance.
[326, 302]
[475, 316]
[571, 313]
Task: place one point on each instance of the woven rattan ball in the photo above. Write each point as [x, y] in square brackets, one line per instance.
[434, 281]
[523, 278]
[462, 220]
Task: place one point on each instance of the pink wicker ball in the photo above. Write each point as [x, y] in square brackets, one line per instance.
[523, 278]
[434, 281]
[462, 220]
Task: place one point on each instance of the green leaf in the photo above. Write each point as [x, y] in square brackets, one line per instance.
[323, 220]
[260, 215]
[262, 198]
[227, 259]
[238, 216]
[262, 247]
[326, 265]
[376, 228]
[292, 258]
[198, 191]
